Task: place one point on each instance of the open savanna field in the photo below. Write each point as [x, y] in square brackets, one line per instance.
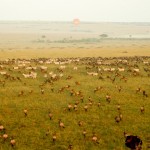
[74, 91]
[103, 48]
[86, 100]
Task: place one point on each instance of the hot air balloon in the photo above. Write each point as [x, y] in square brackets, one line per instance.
[76, 21]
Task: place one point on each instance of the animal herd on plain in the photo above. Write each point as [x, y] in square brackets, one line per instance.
[91, 67]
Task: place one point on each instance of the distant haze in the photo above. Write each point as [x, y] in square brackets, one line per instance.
[67, 10]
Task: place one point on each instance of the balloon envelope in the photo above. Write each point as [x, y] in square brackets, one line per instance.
[76, 21]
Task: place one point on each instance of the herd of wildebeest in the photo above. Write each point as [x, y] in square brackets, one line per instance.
[51, 70]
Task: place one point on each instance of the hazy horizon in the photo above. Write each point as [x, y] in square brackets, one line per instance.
[70, 21]
[67, 10]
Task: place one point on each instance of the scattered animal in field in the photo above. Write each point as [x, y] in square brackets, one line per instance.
[61, 124]
[95, 138]
[80, 91]
[2, 128]
[13, 142]
[54, 137]
[25, 112]
[108, 98]
[75, 68]
[142, 109]
[117, 119]
[3, 72]
[84, 133]
[5, 136]
[133, 142]
[50, 115]
[121, 69]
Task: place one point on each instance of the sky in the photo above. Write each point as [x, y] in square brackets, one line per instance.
[67, 10]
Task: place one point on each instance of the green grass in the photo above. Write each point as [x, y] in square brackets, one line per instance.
[30, 132]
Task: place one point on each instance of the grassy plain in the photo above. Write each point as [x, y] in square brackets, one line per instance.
[30, 132]
[35, 131]
[104, 48]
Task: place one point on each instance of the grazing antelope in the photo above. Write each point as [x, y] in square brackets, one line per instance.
[98, 89]
[138, 90]
[54, 137]
[99, 104]
[121, 69]
[92, 73]
[25, 112]
[12, 142]
[68, 86]
[31, 91]
[101, 78]
[95, 74]
[94, 138]
[146, 62]
[118, 107]
[61, 75]
[80, 123]
[82, 99]
[77, 83]
[42, 91]
[69, 107]
[61, 124]
[144, 93]
[21, 93]
[136, 70]
[142, 109]
[85, 108]
[69, 77]
[15, 68]
[84, 133]
[50, 115]
[26, 75]
[18, 78]
[52, 89]
[75, 68]
[47, 132]
[117, 119]
[119, 89]
[5, 136]
[70, 147]
[3, 72]
[43, 68]
[2, 127]
[121, 116]
[62, 67]
[108, 98]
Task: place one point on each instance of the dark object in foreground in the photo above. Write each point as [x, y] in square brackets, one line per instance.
[133, 142]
